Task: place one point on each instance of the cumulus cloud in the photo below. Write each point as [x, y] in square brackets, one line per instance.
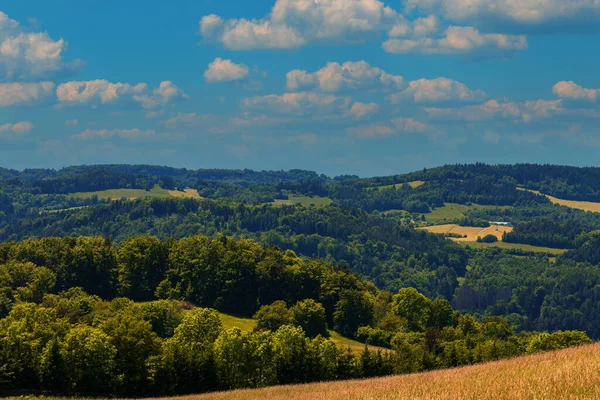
[225, 71]
[335, 77]
[363, 110]
[515, 15]
[26, 55]
[299, 104]
[571, 90]
[19, 128]
[130, 134]
[492, 109]
[295, 23]
[166, 93]
[104, 92]
[12, 94]
[437, 90]
[456, 40]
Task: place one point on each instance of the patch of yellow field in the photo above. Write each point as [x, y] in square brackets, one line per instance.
[186, 194]
[567, 374]
[579, 205]
[416, 183]
[472, 233]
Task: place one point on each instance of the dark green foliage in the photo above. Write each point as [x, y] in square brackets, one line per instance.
[273, 316]
[487, 239]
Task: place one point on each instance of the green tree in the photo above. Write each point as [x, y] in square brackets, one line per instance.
[352, 311]
[310, 316]
[142, 262]
[412, 306]
[90, 361]
[273, 316]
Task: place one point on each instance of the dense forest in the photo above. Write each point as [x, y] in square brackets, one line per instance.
[84, 316]
[153, 270]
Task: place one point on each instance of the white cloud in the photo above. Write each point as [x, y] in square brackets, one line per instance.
[166, 93]
[26, 55]
[571, 90]
[302, 103]
[335, 77]
[295, 23]
[363, 110]
[12, 94]
[104, 92]
[436, 90]
[19, 128]
[397, 126]
[515, 15]
[130, 134]
[225, 71]
[492, 109]
[457, 40]
[100, 90]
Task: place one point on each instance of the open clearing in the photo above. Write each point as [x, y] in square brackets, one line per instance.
[567, 374]
[305, 201]
[132, 194]
[452, 212]
[471, 233]
[579, 205]
[515, 246]
[413, 184]
[248, 324]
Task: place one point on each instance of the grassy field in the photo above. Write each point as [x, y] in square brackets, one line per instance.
[248, 324]
[306, 201]
[186, 194]
[414, 184]
[452, 212]
[131, 194]
[471, 233]
[515, 246]
[579, 205]
[566, 374]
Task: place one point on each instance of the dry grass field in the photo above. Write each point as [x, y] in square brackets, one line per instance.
[471, 232]
[132, 194]
[413, 184]
[579, 205]
[567, 374]
[186, 194]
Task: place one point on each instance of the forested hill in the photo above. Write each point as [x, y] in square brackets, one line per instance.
[377, 227]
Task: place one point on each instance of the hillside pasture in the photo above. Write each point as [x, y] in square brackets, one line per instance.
[515, 246]
[579, 205]
[185, 194]
[452, 212]
[413, 184]
[133, 194]
[305, 201]
[248, 324]
[471, 233]
[566, 374]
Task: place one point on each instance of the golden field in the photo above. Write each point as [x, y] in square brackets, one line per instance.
[471, 232]
[566, 374]
[579, 205]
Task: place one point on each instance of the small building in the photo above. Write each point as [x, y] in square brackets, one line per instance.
[500, 223]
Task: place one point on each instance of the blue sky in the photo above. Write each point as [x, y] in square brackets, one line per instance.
[364, 87]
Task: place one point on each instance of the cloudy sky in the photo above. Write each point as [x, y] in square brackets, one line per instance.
[366, 87]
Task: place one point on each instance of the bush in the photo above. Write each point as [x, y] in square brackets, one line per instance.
[487, 239]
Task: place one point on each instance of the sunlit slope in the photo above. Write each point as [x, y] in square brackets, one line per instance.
[566, 374]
